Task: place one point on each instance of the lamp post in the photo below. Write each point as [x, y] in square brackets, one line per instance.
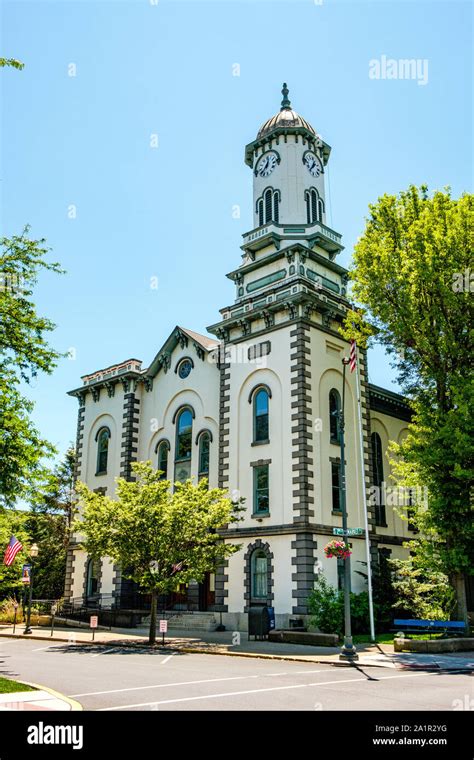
[348, 650]
[33, 553]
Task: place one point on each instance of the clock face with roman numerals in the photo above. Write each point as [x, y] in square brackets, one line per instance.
[313, 164]
[266, 164]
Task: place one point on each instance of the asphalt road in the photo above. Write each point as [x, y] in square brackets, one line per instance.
[127, 679]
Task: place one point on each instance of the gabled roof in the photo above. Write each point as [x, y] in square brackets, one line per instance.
[202, 344]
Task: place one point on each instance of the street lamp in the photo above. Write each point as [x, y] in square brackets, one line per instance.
[33, 554]
[348, 650]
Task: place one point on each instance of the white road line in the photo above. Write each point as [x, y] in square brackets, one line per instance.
[160, 686]
[103, 652]
[163, 662]
[41, 649]
[255, 691]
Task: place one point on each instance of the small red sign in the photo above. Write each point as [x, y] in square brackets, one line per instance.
[94, 621]
[163, 626]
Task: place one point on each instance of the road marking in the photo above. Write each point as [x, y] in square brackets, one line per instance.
[104, 652]
[253, 691]
[163, 662]
[41, 649]
[160, 686]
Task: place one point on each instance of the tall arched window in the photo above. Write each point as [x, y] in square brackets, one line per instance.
[92, 577]
[163, 450]
[102, 438]
[377, 469]
[334, 409]
[314, 206]
[184, 430]
[261, 433]
[204, 452]
[267, 207]
[259, 575]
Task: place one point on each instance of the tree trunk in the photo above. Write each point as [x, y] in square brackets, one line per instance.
[459, 584]
[152, 633]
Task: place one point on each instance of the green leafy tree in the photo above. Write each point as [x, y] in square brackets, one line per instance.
[11, 62]
[24, 352]
[411, 276]
[421, 592]
[160, 538]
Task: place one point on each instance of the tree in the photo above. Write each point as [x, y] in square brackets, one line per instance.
[24, 351]
[12, 522]
[411, 277]
[48, 525]
[11, 62]
[157, 536]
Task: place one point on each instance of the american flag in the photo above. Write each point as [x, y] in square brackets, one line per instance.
[176, 568]
[353, 355]
[11, 551]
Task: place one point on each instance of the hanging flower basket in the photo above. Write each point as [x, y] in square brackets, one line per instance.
[338, 549]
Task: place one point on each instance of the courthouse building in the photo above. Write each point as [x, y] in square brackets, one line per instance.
[251, 405]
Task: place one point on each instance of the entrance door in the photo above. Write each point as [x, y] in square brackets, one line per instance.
[207, 594]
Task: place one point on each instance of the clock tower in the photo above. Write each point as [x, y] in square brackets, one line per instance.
[288, 159]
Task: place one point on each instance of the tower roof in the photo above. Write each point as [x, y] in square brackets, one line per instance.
[286, 118]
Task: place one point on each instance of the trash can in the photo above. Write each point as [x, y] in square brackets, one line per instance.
[259, 622]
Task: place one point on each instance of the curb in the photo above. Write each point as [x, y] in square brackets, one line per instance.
[75, 706]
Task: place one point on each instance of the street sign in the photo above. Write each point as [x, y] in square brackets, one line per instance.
[348, 532]
[26, 574]
[94, 621]
[163, 626]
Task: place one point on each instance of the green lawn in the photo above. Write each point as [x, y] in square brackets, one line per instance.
[387, 638]
[7, 685]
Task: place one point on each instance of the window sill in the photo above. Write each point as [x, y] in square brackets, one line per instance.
[337, 512]
[260, 443]
[102, 472]
[259, 515]
[381, 525]
[334, 442]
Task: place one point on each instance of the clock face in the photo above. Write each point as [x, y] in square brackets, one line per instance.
[313, 164]
[266, 164]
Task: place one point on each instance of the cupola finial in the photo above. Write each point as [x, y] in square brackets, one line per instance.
[285, 103]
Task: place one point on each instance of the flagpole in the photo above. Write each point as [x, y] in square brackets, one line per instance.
[364, 504]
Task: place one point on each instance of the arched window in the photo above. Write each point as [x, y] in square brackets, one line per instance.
[377, 469]
[314, 206]
[102, 438]
[92, 577]
[334, 409]
[261, 416]
[163, 449]
[259, 574]
[204, 452]
[267, 207]
[184, 442]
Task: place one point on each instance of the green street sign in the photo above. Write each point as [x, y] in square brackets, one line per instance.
[349, 532]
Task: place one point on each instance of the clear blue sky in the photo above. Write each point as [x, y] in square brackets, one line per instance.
[167, 69]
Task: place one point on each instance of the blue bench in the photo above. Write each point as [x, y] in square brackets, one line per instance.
[431, 626]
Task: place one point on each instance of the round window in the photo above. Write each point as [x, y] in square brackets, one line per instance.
[185, 368]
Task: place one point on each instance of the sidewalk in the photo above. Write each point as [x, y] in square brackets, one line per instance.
[44, 699]
[226, 643]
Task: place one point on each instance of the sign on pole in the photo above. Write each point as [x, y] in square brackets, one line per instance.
[26, 574]
[163, 629]
[93, 622]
